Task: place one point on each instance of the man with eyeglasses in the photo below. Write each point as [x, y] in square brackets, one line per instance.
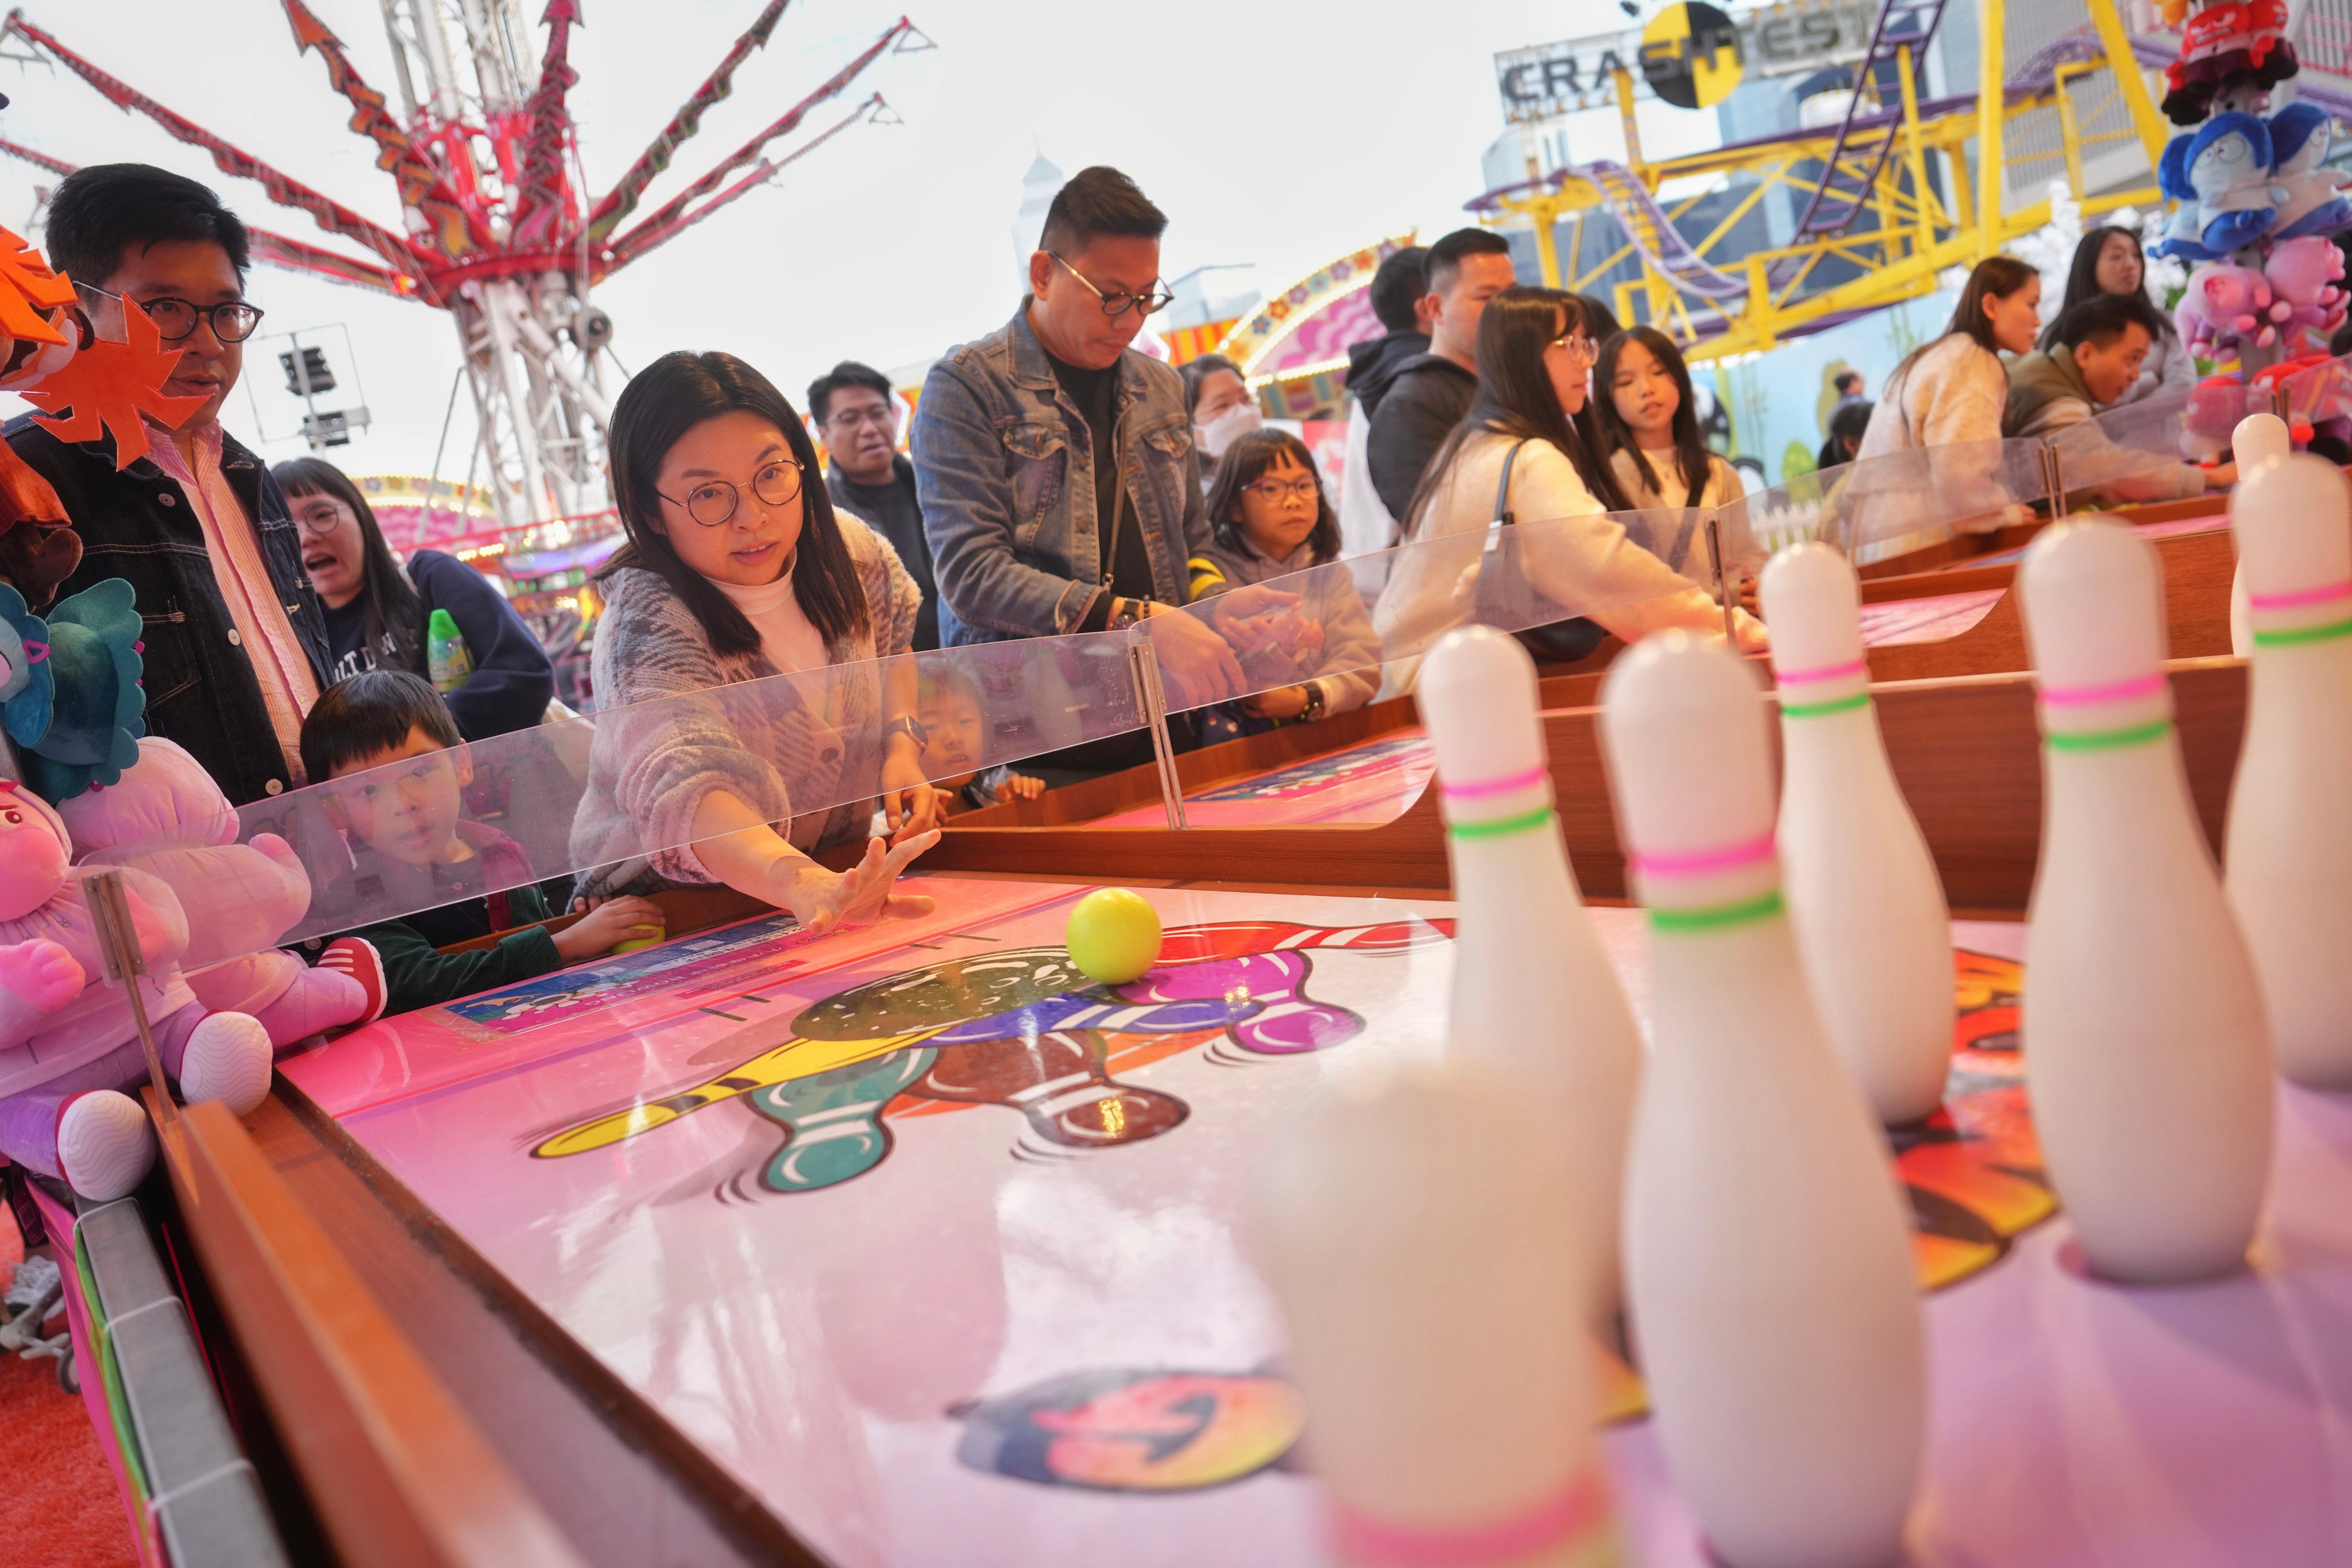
[1059, 485]
[234, 646]
[868, 478]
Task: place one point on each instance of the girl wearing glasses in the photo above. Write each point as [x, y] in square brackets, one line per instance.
[736, 571]
[1655, 452]
[1531, 454]
[1268, 517]
[377, 610]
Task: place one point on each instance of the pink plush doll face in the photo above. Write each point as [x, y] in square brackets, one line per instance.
[32, 855]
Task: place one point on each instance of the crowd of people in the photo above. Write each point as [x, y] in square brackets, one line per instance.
[1056, 481]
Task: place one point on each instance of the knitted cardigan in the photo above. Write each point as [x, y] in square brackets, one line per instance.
[676, 721]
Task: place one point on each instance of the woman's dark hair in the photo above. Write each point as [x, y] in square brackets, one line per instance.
[2082, 283]
[1244, 464]
[1516, 396]
[389, 608]
[1194, 372]
[1691, 455]
[1848, 422]
[661, 404]
[1995, 278]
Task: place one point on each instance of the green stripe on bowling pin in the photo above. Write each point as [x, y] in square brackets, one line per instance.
[1502, 826]
[2107, 740]
[1817, 709]
[2327, 633]
[1718, 916]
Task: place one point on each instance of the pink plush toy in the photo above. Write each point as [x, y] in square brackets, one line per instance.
[168, 818]
[2227, 304]
[2302, 274]
[70, 1062]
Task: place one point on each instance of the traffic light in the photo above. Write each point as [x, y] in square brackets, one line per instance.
[310, 377]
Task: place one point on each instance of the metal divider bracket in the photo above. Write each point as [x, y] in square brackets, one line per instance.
[118, 943]
[1153, 697]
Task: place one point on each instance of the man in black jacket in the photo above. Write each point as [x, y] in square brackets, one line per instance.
[1431, 393]
[235, 647]
[868, 476]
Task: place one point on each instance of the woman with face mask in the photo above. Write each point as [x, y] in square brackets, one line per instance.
[1223, 410]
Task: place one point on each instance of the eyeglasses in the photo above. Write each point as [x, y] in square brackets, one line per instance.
[175, 320]
[1580, 349]
[1120, 304]
[321, 517]
[851, 418]
[713, 501]
[1274, 492]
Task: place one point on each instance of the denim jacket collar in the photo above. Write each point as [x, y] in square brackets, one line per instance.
[1033, 369]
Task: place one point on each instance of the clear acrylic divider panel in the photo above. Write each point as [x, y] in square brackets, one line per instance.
[1879, 508]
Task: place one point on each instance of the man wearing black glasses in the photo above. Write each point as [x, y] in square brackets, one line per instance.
[1059, 486]
[234, 644]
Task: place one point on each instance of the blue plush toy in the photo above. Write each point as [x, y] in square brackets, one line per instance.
[2228, 166]
[2183, 233]
[26, 679]
[98, 711]
[2310, 199]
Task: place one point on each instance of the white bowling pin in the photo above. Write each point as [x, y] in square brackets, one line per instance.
[2259, 440]
[2289, 845]
[1768, 1252]
[1418, 1232]
[1863, 890]
[2147, 1050]
[1534, 995]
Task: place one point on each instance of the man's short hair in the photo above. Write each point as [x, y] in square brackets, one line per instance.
[367, 714]
[1846, 380]
[1398, 287]
[2100, 320]
[1445, 256]
[102, 211]
[841, 378]
[1099, 200]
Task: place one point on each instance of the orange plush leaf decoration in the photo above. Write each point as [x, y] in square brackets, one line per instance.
[106, 388]
[27, 288]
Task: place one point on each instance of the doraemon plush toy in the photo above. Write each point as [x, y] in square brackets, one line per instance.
[2310, 193]
[2229, 166]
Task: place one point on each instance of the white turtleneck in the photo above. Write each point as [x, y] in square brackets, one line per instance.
[787, 637]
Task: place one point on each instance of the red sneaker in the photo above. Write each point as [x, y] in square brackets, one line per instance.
[359, 959]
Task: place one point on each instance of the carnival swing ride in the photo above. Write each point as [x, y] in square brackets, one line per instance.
[499, 231]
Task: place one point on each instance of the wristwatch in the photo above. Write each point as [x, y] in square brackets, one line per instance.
[909, 726]
[1314, 709]
[1126, 613]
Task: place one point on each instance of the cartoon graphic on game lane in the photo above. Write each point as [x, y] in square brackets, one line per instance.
[1130, 1430]
[1022, 1030]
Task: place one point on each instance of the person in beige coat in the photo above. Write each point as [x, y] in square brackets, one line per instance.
[1562, 555]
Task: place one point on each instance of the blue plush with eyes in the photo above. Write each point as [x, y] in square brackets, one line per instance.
[26, 679]
[98, 710]
[2228, 166]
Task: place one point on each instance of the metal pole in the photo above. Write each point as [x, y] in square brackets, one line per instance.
[1722, 588]
[1992, 102]
[118, 944]
[1153, 700]
[2053, 474]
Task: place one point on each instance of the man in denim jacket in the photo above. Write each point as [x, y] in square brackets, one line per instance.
[1060, 491]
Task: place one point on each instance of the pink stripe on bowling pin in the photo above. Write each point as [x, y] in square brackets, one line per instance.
[2150, 685]
[1701, 862]
[1565, 1519]
[1831, 672]
[2300, 597]
[1484, 787]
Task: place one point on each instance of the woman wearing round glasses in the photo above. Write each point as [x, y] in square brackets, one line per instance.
[736, 571]
[1530, 453]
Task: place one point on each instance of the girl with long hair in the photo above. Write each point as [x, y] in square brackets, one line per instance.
[1649, 420]
[1954, 389]
[737, 569]
[1531, 449]
[1269, 518]
[377, 611]
[2109, 261]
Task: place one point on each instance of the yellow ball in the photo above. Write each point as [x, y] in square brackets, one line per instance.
[1113, 935]
[635, 943]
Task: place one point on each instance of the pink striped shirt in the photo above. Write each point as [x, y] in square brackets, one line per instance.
[279, 667]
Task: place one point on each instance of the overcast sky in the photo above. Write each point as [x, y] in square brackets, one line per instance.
[1281, 132]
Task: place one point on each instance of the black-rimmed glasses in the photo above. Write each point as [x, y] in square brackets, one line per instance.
[175, 320]
[713, 501]
[1120, 302]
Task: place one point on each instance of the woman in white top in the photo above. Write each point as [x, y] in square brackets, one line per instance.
[709, 762]
[1535, 352]
[1945, 403]
[2108, 261]
[1647, 416]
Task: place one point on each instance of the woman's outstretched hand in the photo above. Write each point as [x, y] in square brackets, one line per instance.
[821, 899]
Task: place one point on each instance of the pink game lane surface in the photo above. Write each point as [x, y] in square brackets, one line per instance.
[939, 1249]
[1371, 781]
